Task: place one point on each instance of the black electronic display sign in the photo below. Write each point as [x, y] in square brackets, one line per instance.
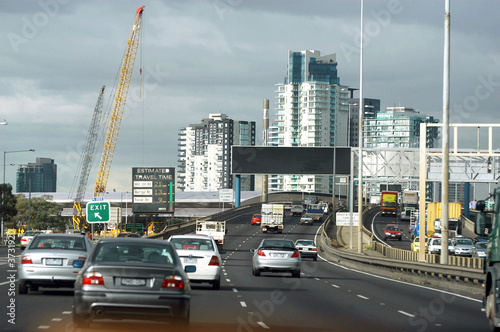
[153, 189]
[290, 160]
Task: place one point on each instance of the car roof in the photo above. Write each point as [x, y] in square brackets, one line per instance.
[129, 239]
[201, 236]
[304, 240]
[60, 235]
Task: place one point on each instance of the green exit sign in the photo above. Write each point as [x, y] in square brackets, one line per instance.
[98, 212]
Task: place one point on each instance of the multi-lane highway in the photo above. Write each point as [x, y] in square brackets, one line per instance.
[327, 297]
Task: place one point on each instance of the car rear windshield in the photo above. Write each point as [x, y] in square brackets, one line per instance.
[192, 244]
[278, 244]
[60, 242]
[134, 252]
[305, 243]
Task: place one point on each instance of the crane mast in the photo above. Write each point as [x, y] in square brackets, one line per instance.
[87, 159]
[118, 106]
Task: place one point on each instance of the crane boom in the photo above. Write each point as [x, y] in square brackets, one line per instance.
[87, 159]
[118, 105]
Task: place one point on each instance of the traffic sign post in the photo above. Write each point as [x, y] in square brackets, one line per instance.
[98, 212]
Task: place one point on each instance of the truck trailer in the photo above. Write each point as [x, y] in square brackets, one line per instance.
[273, 216]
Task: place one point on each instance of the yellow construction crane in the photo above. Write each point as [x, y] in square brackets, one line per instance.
[86, 161]
[118, 106]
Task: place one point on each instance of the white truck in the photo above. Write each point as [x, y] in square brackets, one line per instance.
[409, 203]
[215, 229]
[272, 218]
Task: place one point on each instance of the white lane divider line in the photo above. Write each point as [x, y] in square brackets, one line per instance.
[336, 286]
[56, 319]
[67, 312]
[235, 290]
[405, 313]
[243, 304]
[43, 327]
[363, 297]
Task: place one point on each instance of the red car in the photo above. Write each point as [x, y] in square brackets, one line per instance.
[392, 231]
[256, 219]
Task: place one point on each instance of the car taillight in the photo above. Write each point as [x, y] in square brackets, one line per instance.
[26, 259]
[93, 278]
[260, 252]
[214, 261]
[314, 249]
[296, 253]
[174, 282]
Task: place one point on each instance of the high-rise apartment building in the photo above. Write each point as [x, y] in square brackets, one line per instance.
[40, 176]
[204, 158]
[309, 113]
[398, 127]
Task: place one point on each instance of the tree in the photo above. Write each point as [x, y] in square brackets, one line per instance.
[7, 205]
[45, 214]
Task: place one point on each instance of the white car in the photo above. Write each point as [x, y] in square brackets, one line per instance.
[28, 236]
[306, 219]
[434, 246]
[202, 252]
[307, 249]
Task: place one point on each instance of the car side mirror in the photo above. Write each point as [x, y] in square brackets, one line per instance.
[190, 268]
[482, 225]
[252, 250]
[78, 264]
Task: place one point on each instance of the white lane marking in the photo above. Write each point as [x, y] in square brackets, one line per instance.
[393, 280]
[235, 290]
[363, 297]
[43, 327]
[316, 279]
[67, 312]
[405, 313]
[243, 304]
[228, 280]
[56, 319]
[333, 285]
[264, 326]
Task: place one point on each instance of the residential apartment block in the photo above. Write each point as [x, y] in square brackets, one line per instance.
[204, 155]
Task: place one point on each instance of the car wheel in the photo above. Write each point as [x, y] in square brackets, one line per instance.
[296, 273]
[22, 288]
[216, 284]
[315, 258]
[399, 239]
[255, 272]
[80, 321]
[34, 288]
[490, 310]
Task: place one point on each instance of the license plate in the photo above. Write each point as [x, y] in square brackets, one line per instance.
[190, 260]
[53, 261]
[278, 255]
[133, 282]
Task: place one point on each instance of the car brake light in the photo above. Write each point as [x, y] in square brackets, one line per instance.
[93, 278]
[26, 259]
[214, 261]
[174, 282]
[314, 249]
[260, 252]
[296, 253]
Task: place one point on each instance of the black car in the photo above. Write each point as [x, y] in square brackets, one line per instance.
[136, 279]
[136, 235]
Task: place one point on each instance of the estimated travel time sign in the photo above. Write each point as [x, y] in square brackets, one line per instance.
[153, 189]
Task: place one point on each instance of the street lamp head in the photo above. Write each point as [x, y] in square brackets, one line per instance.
[4, 122]
[32, 150]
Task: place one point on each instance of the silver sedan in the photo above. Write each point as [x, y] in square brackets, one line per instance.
[276, 255]
[133, 278]
[48, 261]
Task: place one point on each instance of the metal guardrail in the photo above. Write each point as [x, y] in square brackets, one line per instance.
[464, 269]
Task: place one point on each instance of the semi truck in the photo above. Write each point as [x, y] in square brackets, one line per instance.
[488, 226]
[389, 203]
[272, 218]
[434, 218]
[409, 203]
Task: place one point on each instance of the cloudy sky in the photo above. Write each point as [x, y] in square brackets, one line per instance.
[222, 56]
